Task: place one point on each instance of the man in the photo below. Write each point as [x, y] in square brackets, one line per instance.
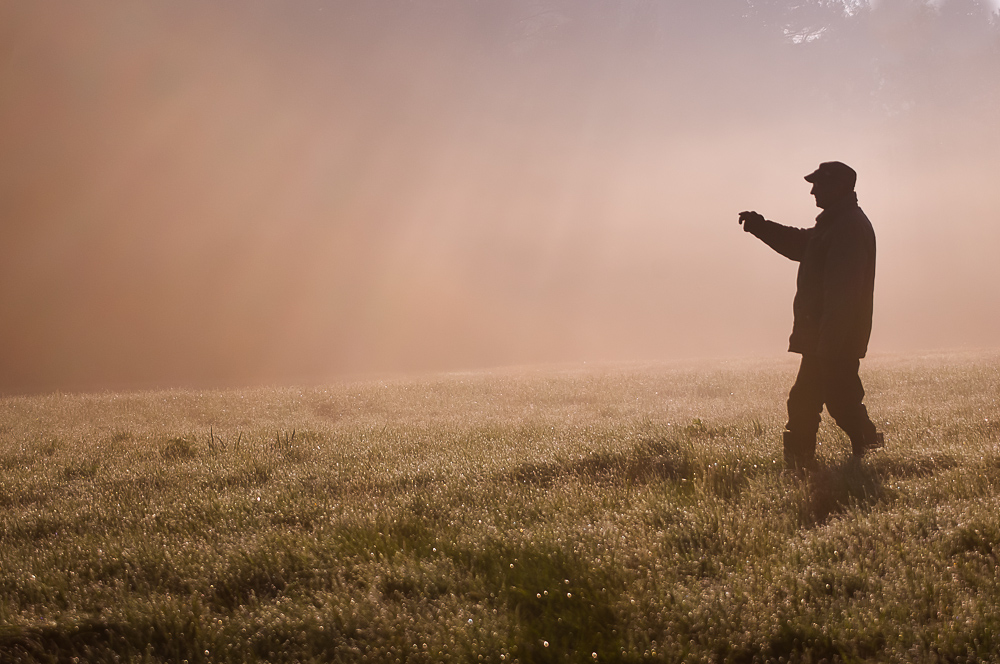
[832, 310]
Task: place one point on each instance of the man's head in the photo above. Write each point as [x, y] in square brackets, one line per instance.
[831, 182]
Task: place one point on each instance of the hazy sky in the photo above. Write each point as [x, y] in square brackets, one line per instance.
[254, 191]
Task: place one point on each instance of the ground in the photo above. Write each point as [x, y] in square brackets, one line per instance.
[612, 513]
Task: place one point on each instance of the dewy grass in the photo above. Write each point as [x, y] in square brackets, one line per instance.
[620, 514]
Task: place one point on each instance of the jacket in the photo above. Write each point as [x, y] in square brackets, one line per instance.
[835, 285]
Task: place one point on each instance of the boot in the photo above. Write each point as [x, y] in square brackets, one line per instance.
[873, 440]
[799, 452]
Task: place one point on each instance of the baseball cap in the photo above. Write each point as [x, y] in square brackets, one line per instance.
[834, 172]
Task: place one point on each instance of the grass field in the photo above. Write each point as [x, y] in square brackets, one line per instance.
[609, 514]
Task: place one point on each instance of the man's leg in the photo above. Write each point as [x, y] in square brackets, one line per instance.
[805, 403]
[844, 395]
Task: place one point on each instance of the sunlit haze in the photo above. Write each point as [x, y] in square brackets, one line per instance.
[232, 193]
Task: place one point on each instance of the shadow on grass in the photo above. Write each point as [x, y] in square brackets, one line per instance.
[850, 484]
[561, 607]
[655, 459]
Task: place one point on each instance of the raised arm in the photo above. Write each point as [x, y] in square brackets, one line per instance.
[787, 241]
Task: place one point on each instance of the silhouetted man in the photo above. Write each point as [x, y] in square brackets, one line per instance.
[833, 313]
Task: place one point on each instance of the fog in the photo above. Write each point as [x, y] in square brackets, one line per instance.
[235, 193]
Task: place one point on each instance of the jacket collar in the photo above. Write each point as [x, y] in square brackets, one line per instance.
[848, 201]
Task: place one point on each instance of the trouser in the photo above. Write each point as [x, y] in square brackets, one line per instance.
[834, 382]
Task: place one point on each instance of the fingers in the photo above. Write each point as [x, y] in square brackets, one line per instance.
[750, 215]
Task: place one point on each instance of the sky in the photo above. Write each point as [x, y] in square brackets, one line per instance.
[260, 192]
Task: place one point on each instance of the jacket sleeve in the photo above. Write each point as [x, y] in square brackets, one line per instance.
[846, 320]
[787, 241]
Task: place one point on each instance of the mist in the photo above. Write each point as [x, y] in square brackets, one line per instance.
[235, 193]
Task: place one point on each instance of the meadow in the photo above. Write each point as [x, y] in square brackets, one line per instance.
[588, 514]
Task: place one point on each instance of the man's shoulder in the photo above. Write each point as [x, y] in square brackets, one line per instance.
[861, 219]
[852, 229]
[856, 212]
[852, 219]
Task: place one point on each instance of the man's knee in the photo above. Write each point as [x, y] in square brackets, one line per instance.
[853, 419]
[842, 386]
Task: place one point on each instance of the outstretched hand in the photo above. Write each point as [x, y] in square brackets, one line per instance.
[749, 218]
